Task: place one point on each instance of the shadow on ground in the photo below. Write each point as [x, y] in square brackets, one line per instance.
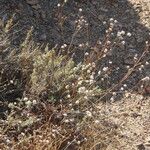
[56, 26]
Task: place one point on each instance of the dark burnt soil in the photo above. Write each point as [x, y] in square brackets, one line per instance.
[56, 25]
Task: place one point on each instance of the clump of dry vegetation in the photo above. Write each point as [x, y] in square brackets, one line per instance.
[52, 102]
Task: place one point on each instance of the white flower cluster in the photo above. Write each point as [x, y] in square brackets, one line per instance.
[81, 22]
[120, 34]
[28, 102]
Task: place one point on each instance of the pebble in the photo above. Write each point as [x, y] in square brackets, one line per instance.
[37, 6]
[32, 2]
[1, 23]
[43, 37]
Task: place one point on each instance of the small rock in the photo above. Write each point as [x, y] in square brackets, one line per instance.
[1, 23]
[43, 15]
[104, 9]
[146, 85]
[37, 6]
[101, 17]
[32, 2]
[5, 18]
[141, 147]
[43, 37]
[147, 90]
[135, 115]
[129, 61]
